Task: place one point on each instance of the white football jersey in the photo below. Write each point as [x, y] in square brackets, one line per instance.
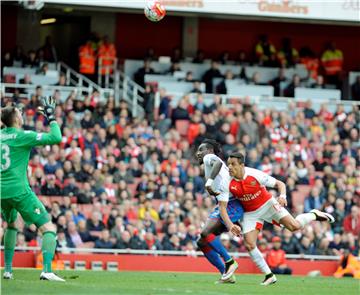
[221, 181]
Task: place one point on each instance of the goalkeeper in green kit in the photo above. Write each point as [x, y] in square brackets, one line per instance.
[16, 194]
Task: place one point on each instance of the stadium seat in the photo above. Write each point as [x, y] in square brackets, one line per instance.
[317, 94]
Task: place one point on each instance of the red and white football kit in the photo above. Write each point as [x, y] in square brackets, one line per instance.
[259, 205]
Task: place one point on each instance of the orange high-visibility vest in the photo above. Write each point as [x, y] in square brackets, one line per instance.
[332, 61]
[87, 60]
[107, 53]
[312, 65]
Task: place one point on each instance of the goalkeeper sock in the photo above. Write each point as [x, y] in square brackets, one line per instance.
[259, 260]
[213, 258]
[48, 249]
[216, 244]
[9, 247]
[305, 218]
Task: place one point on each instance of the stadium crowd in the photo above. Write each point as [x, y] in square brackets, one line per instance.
[134, 183]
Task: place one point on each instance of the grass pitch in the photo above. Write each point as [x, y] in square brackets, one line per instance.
[27, 282]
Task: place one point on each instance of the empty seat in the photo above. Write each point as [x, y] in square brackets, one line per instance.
[317, 94]
[246, 90]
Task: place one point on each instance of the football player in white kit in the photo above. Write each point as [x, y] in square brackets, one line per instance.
[223, 217]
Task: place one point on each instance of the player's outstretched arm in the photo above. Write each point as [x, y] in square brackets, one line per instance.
[282, 190]
[54, 136]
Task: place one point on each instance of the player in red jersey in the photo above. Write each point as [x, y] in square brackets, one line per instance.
[249, 186]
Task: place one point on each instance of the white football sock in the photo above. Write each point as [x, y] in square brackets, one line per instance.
[259, 260]
[305, 218]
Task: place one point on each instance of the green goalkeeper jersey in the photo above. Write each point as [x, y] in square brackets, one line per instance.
[15, 147]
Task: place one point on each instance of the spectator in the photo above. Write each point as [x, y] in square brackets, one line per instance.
[74, 235]
[279, 82]
[264, 50]
[26, 80]
[319, 83]
[104, 241]
[210, 74]
[348, 267]
[352, 221]
[290, 89]
[95, 223]
[313, 201]
[147, 208]
[50, 188]
[290, 244]
[332, 61]
[250, 128]
[139, 76]
[355, 89]
[31, 60]
[199, 58]
[49, 50]
[287, 55]
[276, 258]
[107, 56]
[62, 80]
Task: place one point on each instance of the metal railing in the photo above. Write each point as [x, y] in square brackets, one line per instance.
[261, 101]
[107, 78]
[74, 78]
[167, 253]
[30, 89]
[132, 93]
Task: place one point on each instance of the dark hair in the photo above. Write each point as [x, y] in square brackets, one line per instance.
[239, 156]
[8, 115]
[213, 144]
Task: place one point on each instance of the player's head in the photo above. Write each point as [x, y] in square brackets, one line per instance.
[236, 164]
[208, 146]
[11, 116]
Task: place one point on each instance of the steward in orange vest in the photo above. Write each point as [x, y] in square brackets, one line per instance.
[107, 54]
[87, 59]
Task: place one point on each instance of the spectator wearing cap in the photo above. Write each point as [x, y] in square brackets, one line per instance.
[276, 258]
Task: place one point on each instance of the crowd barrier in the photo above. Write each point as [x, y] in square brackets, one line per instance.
[173, 261]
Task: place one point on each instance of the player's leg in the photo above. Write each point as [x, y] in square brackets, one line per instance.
[210, 233]
[252, 225]
[33, 211]
[294, 224]
[9, 214]
[209, 252]
[235, 212]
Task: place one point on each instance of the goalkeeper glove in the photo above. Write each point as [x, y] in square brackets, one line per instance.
[47, 108]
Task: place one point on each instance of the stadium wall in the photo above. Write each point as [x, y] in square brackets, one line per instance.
[215, 35]
[173, 263]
